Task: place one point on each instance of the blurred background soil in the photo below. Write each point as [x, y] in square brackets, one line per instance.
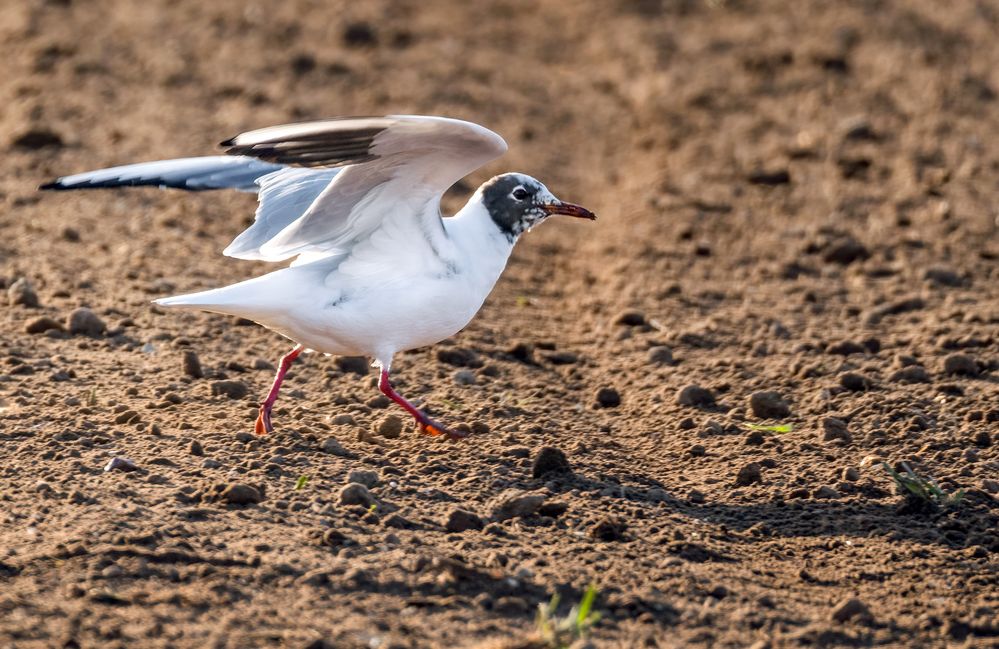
[797, 227]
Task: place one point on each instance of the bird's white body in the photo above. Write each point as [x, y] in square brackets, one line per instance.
[392, 292]
[355, 204]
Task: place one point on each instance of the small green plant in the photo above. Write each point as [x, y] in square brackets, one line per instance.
[372, 508]
[523, 300]
[452, 404]
[777, 428]
[560, 632]
[924, 491]
[301, 482]
[92, 397]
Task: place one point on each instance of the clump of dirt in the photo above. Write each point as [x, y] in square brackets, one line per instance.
[689, 402]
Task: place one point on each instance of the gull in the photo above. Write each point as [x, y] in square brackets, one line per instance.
[355, 203]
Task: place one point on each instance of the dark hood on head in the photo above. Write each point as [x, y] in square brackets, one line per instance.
[512, 217]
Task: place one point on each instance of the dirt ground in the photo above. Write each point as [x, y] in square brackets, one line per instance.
[794, 197]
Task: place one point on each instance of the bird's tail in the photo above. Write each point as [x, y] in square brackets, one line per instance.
[254, 299]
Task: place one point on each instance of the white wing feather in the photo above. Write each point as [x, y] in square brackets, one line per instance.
[193, 174]
[403, 164]
[346, 178]
[283, 195]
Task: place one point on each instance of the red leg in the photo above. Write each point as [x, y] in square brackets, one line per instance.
[427, 425]
[263, 424]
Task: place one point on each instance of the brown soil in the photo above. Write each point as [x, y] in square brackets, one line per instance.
[797, 197]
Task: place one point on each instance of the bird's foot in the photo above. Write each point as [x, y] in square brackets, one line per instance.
[263, 425]
[432, 428]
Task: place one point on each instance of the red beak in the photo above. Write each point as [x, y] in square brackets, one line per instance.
[568, 209]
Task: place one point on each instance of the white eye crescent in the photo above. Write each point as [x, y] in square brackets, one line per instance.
[520, 193]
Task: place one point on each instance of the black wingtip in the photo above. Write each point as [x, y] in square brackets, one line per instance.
[55, 184]
[227, 143]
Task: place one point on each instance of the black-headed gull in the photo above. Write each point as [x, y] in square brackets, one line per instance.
[356, 202]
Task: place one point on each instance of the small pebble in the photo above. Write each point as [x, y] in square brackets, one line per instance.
[564, 357]
[333, 446]
[192, 365]
[195, 448]
[38, 137]
[459, 357]
[850, 474]
[343, 419]
[367, 478]
[845, 348]
[845, 251]
[553, 509]
[378, 402]
[240, 494]
[515, 504]
[86, 322]
[390, 427]
[550, 460]
[960, 364]
[356, 494]
[608, 397]
[360, 34]
[749, 474]
[231, 389]
[461, 520]
[854, 382]
[825, 493]
[769, 405]
[353, 365]
[943, 277]
[910, 374]
[42, 324]
[120, 464]
[695, 395]
[849, 609]
[128, 417]
[609, 529]
[660, 355]
[21, 292]
[835, 429]
[334, 538]
[630, 318]
[464, 377]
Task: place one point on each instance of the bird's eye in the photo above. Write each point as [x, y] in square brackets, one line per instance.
[520, 193]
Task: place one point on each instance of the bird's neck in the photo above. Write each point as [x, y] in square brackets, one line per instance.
[479, 240]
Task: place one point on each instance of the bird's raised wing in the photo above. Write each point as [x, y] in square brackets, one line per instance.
[283, 196]
[392, 166]
[192, 174]
[284, 193]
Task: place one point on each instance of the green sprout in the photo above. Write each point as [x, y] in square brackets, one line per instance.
[777, 428]
[372, 508]
[560, 632]
[92, 397]
[452, 404]
[523, 300]
[923, 490]
[301, 482]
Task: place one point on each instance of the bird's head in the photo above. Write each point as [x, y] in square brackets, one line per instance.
[516, 203]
